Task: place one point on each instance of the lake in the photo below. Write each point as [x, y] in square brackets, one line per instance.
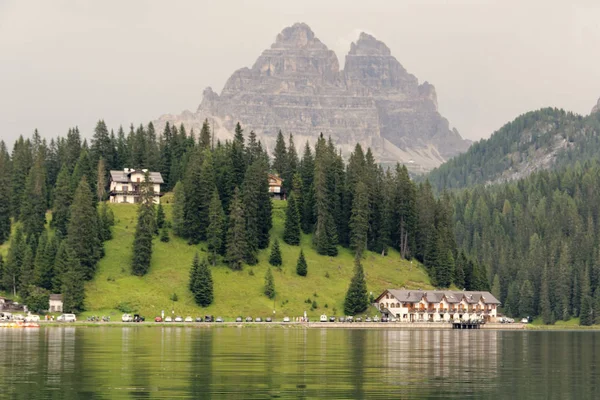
[293, 362]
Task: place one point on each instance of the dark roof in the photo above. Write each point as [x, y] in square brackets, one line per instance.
[56, 297]
[125, 176]
[435, 296]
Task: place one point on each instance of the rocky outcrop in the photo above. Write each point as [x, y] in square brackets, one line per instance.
[596, 107]
[298, 87]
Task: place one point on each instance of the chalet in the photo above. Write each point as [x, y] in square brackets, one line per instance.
[437, 306]
[276, 187]
[2, 302]
[125, 185]
[56, 303]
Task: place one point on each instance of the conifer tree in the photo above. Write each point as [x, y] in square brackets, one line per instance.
[101, 179]
[269, 284]
[359, 220]
[102, 147]
[82, 232]
[307, 170]
[142, 243]
[254, 199]
[21, 162]
[357, 297]
[238, 157]
[596, 305]
[5, 173]
[160, 216]
[26, 274]
[545, 304]
[205, 136]
[72, 282]
[325, 237]
[253, 149]
[280, 160]
[526, 299]
[84, 168]
[291, 233]
[291, 166]
[301, 266]
[586, 313]
[236, 233]
[33, 204]
[201, 283]
[63, 197]
[14, 261]
[275, 257]
[179, 210]
[106, 220]
[216, 227]
[44, 264]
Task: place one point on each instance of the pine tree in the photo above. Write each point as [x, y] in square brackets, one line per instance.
[216, 227]
[142, 243]
[84, 168]
[106, 220]
[72, 282]
[526, 299]
[301, 266]
[275, 257]
[102, 147]
[21, 160]
[201, 283]
[545, 304]
[359, 220]
[5, 205]
[238, 157]
[101, 179]
[291, 232]
[325, 237]
[357, 297]
[160, 216]
[255, 201]
[269, 284]
[164, 235]
[307, 170]
[179, 210]
[199, 186]
[236, 233]
[586, 313]
[26, 277]
[280, 160]
[205, 136]
[82, 231]
[14, 262]
[44, 262]
[33, 204]
[63, 197]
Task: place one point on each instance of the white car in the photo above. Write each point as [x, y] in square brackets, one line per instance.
[67, 318]
[323, 318]
[524, 321]
[168, 319]
[189, 319]
[178, 319]
[18, 317]
[286, 319]
[32, 318]
[127, 318]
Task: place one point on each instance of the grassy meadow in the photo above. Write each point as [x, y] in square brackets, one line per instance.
[237, 293]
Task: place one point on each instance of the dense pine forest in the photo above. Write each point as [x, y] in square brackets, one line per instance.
[54, 203]
[547, 138]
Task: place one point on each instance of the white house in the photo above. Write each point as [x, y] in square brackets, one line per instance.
[125, 186]
[419, 305]
[56, 303]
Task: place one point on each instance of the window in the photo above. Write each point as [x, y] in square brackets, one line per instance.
[125, 188]
[398, 305]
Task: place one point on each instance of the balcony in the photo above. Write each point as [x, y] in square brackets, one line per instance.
[131, 193]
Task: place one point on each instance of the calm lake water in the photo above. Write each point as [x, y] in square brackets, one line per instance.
[276, 362]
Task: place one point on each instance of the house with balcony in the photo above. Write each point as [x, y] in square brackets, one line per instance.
[125, 185]
[276, 187]
[437, 306]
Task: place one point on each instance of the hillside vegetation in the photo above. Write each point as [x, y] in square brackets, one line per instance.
[537, 140]
[237, 293]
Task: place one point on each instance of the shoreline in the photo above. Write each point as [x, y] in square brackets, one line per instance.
[311, 325]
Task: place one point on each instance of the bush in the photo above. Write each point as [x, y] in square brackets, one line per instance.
[125, 307]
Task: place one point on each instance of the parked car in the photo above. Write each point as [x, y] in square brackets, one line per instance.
[67, 318]
[368, 319]
[239, 319]
[269, 319]
[376, 319]
[358, 319]
[258, 319]
[178, 319]
[323, 318]
[127, 318]
[18, 317]
[332, 319]
[168, 319]
[286, 319]
[188, 319]
[158, 319]
[342, 319]
[198, 319]
[350, 319]
[219, 319]
[385, 319]
[138, 318]
[209, 318]
[248, 319]
[32, 318]
[393, 319]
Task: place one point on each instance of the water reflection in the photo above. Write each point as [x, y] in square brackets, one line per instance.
[171, 362]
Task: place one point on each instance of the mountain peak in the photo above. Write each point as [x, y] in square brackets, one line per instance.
[596, 108]
[298, 36]
[368, 45]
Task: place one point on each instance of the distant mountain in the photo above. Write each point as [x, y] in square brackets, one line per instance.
[596, 108]
[537, 140]
[297, 86]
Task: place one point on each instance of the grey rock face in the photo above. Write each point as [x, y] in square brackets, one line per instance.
[596, 107]
[297, 86]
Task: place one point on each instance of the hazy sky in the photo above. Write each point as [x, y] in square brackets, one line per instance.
[66, 63]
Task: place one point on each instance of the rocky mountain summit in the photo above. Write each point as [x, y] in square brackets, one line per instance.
[596, 107]
[297, 86]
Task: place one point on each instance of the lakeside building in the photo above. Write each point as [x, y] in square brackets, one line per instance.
[125, 186]
[437, 306]
[55, 303]
[275, 187]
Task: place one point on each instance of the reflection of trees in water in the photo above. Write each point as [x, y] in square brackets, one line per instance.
[201, 359]
[357, 346]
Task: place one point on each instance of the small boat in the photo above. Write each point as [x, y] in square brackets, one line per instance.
[19, 324]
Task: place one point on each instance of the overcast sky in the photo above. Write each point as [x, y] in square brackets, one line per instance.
[67, 63]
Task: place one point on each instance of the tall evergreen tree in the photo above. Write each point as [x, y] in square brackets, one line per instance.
[275, 256]
[357, 298]
[102, 146]
[160, 216]
[142, 243]
[5, 205]
[307, 170]
[179, 210]
[280, 160]
[83, 167]
[359, 220]
[106, 220]
[82, 231]
[72, 282]
[14, 262]
[545, 304]
[33, 204]
[301, 266]
[101, 179]
[325, 237]
[269, 284]
[44, 271]
[205, 136]
[291, 232]
[216, 227]
[236, 233]
[22, 161]
[201, 283]
[526, 299]
[238, 158]
[26, 277]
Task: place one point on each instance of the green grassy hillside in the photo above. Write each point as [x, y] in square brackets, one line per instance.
[237, 293]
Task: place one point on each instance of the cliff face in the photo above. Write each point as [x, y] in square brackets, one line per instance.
[298, 87]
[596, 107]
